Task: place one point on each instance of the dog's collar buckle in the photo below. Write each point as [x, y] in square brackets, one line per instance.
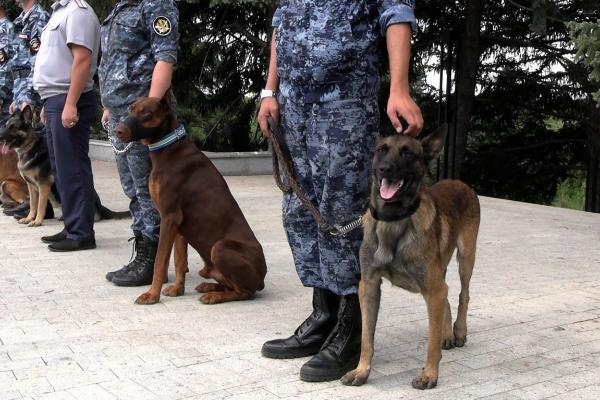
[167, 140]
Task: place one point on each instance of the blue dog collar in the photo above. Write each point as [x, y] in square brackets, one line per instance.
[168, 139]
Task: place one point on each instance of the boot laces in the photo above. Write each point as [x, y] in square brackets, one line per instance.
[342, 329]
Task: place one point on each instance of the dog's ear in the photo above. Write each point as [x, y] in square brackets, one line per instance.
[167, 101]
[433, 143]
[27, 114]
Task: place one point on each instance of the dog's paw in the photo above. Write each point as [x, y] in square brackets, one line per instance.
[34, 223]
[147, 298]
[356, 377]
[173, 290]
[210, 298]
[25, 220]
[460, 336]
[448, 342]
[425, 380]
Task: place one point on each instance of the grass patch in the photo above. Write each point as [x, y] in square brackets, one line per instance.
[570, 193]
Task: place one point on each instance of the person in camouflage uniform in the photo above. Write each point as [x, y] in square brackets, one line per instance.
[324, 66]
[7, 33]
[139, 49]
[28, 27]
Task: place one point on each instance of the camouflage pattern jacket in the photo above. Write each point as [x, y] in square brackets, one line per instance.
[28, 31]
[135, 36]
[7, 33]
[328, 49]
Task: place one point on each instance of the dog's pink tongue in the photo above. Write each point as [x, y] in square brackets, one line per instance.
[4, 149]
[388, 189]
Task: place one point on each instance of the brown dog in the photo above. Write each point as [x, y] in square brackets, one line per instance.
[410, 233]
[196, 207]
[13, 189]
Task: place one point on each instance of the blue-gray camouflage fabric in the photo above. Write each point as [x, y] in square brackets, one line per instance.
[134, 168]
[328, 62]
[7, 32]
[28, 32]
[328, 48]
[135, 35]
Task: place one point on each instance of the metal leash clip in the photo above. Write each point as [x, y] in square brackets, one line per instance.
[111, 139]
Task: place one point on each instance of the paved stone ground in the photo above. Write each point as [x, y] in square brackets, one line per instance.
[66, 333]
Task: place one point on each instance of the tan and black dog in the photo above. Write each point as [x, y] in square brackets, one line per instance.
[33, 163]
[196, 207]
[410, 234]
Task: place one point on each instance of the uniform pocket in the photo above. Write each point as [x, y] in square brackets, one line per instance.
[129, 32]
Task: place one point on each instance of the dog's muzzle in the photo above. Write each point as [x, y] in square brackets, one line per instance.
[138, 131]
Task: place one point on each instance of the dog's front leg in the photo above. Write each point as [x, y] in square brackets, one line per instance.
[181, 268]
[33, 201]
[168, 232]
[369, 294]
[41, 206]
[436, 298]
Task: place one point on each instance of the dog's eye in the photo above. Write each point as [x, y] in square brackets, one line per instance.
[382, 149]
[405, 153]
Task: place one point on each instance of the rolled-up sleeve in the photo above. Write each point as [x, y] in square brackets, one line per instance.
[276, 21]
[397, 12]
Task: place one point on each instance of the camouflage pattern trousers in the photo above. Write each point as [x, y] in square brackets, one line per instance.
[134, 168]
[331, 146]
[23, 92]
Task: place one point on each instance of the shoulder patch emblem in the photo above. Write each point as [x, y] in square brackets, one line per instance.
[162, 26]
[34, 44]
[2, 56]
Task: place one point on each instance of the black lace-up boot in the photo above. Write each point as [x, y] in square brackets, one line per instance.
[341, 351]
[311, 334]
[137, 238]
[141, 272]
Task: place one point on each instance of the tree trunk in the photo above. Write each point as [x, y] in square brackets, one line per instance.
[592, 187]
[466, 71]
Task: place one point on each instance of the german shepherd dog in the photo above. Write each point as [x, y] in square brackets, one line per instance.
[34, 166]
[410, 233]
[13, 189]
[33, 163]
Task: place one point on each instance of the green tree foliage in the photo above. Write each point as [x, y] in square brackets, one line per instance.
[586, 36]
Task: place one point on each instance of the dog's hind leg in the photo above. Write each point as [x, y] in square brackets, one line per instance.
[233, 268]
[41, 207]
[466, 261]
[448, 333]
[181, 268]
[369, 295]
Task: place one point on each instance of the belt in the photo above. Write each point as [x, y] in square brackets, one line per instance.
[20, 73]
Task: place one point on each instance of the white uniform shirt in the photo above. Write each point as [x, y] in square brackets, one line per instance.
[71, 22]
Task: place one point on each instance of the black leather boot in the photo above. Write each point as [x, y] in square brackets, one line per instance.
[341, 351]
[311, 334]
[141, 272]
[137, 238]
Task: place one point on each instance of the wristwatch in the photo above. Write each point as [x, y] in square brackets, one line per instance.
[267, 93]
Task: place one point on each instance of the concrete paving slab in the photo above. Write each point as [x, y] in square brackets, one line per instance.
[67, 333]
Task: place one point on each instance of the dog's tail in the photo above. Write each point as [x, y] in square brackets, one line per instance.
[106, 213]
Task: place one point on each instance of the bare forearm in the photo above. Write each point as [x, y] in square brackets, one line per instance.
[273, 77]
[161, 79]
[398, 38]
[80, 71]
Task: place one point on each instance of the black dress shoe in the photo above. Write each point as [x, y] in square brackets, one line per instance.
[72, 245]
[60, 236]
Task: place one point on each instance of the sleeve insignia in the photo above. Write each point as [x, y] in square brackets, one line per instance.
[34, 45]
[162, 26]
[2, 56]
